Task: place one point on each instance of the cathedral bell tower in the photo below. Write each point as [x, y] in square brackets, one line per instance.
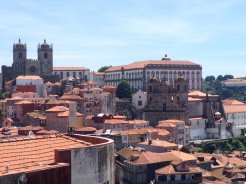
[45, 58]
[19, 58]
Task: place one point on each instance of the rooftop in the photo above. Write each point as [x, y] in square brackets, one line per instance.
[232, 102]
[147, 157]
[171, 169]
[142, 64]
[29, 153]
[234, 108]
[66, 114]
[65, 68]
[30, 77]
[159, 143]
[57, 109]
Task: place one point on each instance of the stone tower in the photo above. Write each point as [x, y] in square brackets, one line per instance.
[45, 58]
[19, 58]
[166, 100]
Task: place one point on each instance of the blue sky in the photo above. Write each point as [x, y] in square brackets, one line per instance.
[94, 33]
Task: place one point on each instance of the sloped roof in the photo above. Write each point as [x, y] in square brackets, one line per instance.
[66, 114]
[142, 64]
[232, 102]
[159, 143]
[234, 108]
[28, 153]
[67, 68]
[147, 157]
[57, 109]
[170, 169]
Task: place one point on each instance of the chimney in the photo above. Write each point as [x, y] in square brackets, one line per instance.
[72, 118]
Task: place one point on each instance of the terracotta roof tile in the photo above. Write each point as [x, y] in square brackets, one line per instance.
[24, 154]
[147, 157]
[66, 114]
[232, 102]
[64, 68]
[234, 108]
[142, 64]
[159, 143]
[170, 169]
[32, 77]
[57, 109]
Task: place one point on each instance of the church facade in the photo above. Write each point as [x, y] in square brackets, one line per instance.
[42, 66]
[166, 100]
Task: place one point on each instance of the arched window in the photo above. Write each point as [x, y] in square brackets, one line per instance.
[20, 55]
[157, 75]
[45, 55]
[148, 74]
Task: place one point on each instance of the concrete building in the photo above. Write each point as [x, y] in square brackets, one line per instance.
[58, 118]
[57, 159]
[132, 137]
[97, 77]
[138, 73]
[139, 166]
[157, 146]
[179, 172]
[230, 83]
[236, 115]
[198, 128]
[177, 128]
[139, 99]
[209, 107]
[32, 80]
[76, 72]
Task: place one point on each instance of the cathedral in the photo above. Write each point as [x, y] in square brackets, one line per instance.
[166, 100]
[42, 66]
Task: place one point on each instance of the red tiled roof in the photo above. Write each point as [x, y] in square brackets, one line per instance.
[190, 99]
[28, 153]
[64, 68]
[115, 121]
[234, 108]
[147, 157]
[23, 102]
[170, 169]
[32, 77]
[57, 109]
[86, 129]
[70, 97]
[232, 102]
[142, 64]
[141, 131]
[159, 143]
[66, 114]
[137, 121]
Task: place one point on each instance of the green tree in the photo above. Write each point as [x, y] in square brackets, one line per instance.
[210, 79]
[228, 77]
[220, 78]
[103, 68]
[123, 90]
[209, 147]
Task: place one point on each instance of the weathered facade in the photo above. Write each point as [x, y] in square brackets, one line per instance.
[23, 66]
[166, 100]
